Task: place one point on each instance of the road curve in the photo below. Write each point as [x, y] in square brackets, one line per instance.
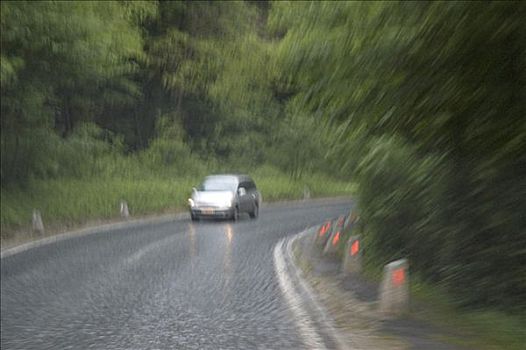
[171, 285]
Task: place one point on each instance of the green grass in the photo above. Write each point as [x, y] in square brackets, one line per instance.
[484, 329]
[275, 185]
[73, 202]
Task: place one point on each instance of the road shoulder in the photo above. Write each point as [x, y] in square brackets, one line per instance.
[351, 303]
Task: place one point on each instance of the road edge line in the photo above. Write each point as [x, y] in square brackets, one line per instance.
[4, 253]
[305, 326]
[87, 231]
[333, 333]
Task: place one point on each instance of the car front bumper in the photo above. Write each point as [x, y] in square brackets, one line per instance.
[212, 212]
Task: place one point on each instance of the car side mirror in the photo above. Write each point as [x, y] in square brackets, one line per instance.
[241, 191]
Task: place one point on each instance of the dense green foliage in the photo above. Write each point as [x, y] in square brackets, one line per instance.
[429, 101]
[421, 105]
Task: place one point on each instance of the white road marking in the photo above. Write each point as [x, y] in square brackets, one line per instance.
[88, 231]
[313, 299]
[308, 332]
[135, 257]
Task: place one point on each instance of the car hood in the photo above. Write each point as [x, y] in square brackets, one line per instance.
[217, 198]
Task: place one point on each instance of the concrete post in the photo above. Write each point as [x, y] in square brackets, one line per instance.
[352, 259]
[341, 221]
[306, 193]
[350, 220]
[322, 234]
[331, 246]
[125, 213]
[394, 290]
[38, 225]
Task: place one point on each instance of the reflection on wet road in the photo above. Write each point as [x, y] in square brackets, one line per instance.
[173, 285]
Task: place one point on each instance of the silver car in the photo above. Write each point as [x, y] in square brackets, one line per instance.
[225, 196]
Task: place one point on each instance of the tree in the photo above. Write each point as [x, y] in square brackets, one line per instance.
[429, 98]
[60, 62]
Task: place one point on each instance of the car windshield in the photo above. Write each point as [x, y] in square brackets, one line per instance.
[218, 184]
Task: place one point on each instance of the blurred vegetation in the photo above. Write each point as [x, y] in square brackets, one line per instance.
[427, 101]
[420, 104]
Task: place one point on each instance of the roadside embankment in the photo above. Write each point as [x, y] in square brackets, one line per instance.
[390, 310]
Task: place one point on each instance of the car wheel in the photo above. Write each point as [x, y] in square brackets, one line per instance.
[235, 215]
[255, 212]
[194, 217]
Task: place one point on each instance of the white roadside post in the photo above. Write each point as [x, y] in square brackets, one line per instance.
[321, 235]
[331, 247]
[306, 193]
[125, 213]
[394, 290]
[38, 225]
[352, 259]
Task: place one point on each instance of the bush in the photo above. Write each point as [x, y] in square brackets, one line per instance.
[468, 237]
[168, 154]
[401, 203]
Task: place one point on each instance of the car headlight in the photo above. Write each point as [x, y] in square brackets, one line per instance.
[191, 202]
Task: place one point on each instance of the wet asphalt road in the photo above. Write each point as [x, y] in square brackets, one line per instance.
[175, 285]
